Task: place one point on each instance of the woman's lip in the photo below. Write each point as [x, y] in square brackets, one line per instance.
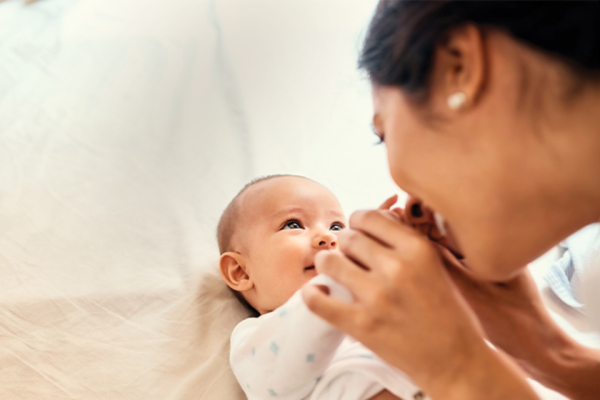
[452, 245]
[456, 254]
[444, 238]
[448, 242]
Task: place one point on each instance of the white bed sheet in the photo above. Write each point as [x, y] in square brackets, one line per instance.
[125, 128]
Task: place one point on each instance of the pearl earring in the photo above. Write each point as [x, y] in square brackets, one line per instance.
[457, 100]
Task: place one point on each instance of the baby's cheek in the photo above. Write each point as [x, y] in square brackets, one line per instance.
[287, 289]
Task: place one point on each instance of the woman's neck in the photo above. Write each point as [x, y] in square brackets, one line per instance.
[574, 129]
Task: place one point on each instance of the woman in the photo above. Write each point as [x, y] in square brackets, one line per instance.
[490, 112]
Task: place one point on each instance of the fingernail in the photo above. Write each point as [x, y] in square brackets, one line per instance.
[439, 223]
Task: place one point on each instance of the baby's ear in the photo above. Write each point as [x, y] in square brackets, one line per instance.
[233, 271]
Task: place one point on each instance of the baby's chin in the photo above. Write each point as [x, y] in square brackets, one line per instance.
[309, 273]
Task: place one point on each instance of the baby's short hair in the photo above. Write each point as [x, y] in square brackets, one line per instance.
[226, 228]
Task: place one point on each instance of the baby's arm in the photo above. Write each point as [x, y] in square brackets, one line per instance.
[282, 353]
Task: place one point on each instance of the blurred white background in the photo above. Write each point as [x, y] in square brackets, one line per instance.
[124, 123]
[125, 129]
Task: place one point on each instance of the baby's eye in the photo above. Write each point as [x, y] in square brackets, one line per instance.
[293, 224]
[336, 227]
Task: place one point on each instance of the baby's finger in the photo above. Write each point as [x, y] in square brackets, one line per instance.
[389, 202]
[331, 310]
[400, 214]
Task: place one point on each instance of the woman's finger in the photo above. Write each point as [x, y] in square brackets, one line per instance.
[336, 312]
[334, 264]
[512, 313]
[366, 251]
[385, 230]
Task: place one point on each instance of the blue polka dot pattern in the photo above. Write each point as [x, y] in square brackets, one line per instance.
[274, 348]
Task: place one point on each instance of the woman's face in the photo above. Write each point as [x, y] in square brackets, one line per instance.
[514, 170]
[489, 170]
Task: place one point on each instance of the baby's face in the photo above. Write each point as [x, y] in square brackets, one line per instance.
[285, 222]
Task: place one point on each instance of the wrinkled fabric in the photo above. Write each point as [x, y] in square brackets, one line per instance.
[292, 354]
[125, 129]
[581, 253]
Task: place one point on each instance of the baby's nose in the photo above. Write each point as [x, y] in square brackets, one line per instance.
[325, 241]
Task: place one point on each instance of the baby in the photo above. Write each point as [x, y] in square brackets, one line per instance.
[268, 238]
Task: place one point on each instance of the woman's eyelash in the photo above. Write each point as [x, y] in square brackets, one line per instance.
[379, 137]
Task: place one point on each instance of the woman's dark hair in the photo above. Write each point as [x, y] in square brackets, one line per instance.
[400, 43]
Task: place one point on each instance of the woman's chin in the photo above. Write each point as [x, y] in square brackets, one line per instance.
[488, 263]
[492, 271]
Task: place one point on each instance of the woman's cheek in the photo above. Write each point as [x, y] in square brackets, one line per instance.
[394, 164]
[400, 167]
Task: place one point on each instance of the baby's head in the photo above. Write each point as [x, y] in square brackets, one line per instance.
[269, 235]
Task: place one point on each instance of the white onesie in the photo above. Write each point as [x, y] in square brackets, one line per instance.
[293, 354]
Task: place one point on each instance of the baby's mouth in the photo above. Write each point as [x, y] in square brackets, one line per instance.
[312, 267]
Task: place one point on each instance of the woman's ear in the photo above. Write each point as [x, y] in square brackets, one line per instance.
[233, 271]
[460, 67]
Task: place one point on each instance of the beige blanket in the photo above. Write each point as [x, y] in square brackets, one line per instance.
[170, 344]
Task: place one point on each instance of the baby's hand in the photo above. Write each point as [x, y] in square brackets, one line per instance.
[421, 218]
[395, 214]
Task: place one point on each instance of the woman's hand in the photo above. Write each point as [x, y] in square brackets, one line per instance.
[512, 313]
[516, 320]
[408, 311]
[514, 317]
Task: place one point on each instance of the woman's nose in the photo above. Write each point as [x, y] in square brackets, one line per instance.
[325, 241]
